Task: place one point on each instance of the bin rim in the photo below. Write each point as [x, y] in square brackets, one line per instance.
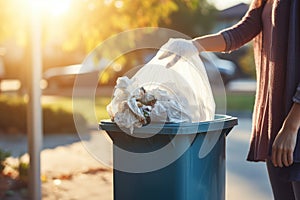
[219, 123]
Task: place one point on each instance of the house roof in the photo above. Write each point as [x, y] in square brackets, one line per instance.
[234, 12]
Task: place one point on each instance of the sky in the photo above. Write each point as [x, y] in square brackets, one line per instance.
[223, 4]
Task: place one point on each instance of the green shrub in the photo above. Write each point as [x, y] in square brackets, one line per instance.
[3, 156]
[23, 169]
[13, 117]
[60, 121]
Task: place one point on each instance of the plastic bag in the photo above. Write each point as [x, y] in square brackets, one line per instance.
[182, 93]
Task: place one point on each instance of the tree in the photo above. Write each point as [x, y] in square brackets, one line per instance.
[85, 23]
[193, 18]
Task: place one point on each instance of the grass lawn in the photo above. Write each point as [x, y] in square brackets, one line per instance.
[240, 102]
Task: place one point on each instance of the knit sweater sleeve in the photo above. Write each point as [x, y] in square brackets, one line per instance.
[245, 30]
[296, 98]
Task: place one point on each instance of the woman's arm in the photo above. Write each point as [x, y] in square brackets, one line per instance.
[213, 42]
[285, 142]
[235, 36]
[226, 40]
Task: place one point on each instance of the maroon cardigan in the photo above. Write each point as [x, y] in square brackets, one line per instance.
[278, 86]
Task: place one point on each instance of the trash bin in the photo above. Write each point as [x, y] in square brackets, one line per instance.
[188, 177]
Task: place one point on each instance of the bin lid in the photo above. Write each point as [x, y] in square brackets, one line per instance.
[219, 123]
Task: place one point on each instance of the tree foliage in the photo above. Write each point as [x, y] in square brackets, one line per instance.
[68, 36]
[193, 18]
[99, 20]
[88, 22]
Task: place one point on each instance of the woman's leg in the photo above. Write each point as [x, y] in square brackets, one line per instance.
[282, 190]
[296, 187]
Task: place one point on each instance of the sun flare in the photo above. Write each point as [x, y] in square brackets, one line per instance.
[54, 7]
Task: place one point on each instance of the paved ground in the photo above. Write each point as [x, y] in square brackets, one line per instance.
[70, 172]
[245, 180]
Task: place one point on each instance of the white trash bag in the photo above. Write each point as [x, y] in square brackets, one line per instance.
[156, 93]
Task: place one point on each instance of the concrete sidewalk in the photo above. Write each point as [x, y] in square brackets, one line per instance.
[245, 180]
[71, 172]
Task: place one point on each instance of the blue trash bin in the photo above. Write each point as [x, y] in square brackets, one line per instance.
[188, 177]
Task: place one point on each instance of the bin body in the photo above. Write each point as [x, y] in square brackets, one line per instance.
[187, 178]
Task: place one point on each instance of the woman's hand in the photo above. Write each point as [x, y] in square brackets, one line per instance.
[285, 142]
[186, 48]
[283, 147]
[178, 48]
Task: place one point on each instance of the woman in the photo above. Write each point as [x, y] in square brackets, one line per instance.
[274, 26]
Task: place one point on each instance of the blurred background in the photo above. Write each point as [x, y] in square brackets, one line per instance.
[70, 30]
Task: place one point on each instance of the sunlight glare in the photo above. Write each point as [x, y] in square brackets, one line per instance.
[55, 7]
[107, 2]
[119, 4]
